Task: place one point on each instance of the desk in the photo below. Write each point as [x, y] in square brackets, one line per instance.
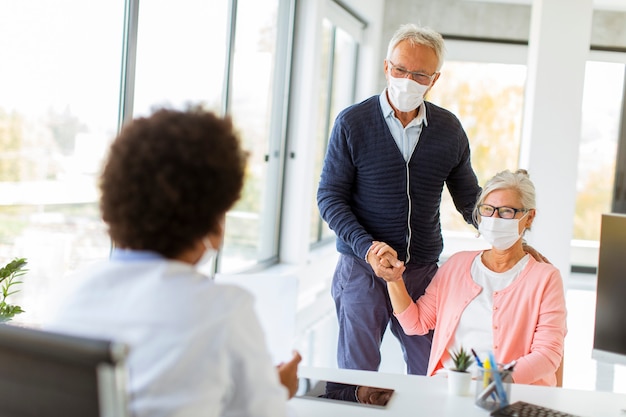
[428, 396]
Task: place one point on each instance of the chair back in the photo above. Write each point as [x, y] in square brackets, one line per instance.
[46, 374]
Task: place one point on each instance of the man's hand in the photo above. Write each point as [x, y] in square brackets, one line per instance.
[288, 372]
[371, 395]
[384, 261]
[534, 253]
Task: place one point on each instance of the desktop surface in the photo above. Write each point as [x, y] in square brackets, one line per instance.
[428, 396]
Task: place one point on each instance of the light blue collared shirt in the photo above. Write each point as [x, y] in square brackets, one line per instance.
[129, 255]
[406, 137]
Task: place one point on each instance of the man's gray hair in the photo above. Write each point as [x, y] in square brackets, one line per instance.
[418, 36]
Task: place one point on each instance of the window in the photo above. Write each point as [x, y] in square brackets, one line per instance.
[58, 112]
[251, 226]
[602, 104]
[485, 89]
[198, 60]
[488, 99]
[176, 64]
[338, 72]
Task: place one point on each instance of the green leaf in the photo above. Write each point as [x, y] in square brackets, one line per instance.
[9, 275]
[462, 359]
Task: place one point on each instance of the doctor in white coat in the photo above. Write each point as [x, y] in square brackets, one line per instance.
[196, 347]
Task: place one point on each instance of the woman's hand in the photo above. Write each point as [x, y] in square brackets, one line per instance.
[288, 372]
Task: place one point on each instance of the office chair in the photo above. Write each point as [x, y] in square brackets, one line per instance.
[46, 374]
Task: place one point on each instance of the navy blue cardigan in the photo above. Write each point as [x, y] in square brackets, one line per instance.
[367, 191]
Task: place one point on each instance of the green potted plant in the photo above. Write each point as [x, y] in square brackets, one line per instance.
[459, 378]
[9, 278]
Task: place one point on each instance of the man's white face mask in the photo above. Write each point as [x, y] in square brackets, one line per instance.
[405, 94]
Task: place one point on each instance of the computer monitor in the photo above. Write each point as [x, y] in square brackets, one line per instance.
[609, 341]
[47, 374]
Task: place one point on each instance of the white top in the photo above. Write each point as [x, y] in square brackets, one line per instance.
[196, 347]
[475, 326]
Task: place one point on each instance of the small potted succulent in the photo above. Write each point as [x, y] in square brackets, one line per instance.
[459, 378]
[9, 278]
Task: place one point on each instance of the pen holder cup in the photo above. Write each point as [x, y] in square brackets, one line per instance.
[488, 396]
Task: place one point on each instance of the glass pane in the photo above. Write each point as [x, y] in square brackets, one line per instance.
[58, 112]
[344, 73]
[251, 225]
[602, 104]
[336, 93]
[488, 99]
[323, 123]
[180, 54]
[342, 94]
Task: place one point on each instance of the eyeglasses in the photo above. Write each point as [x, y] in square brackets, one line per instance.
[504, 212]
[419, 77]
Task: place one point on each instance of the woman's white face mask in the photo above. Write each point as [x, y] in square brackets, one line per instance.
[209, 253]
[500, 233]
[405, 94]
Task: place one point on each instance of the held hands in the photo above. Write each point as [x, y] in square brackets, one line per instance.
[372, 395]
[288, 373]
[384, 261]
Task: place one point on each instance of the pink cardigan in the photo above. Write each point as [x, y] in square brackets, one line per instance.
[529, 317]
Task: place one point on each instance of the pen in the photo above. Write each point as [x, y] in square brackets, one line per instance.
[489, 390]
[486, 373]
[507, 370]
[478, 362]
[509, 366]
[504, 401]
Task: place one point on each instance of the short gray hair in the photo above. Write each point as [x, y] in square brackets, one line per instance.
[418, 36]
[518, 181]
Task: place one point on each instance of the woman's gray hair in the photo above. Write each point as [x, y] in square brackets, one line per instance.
[518, 181]
[418, 36]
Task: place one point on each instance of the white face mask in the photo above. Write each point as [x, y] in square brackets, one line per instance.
[209, 253]
[500, 233]
[405, 94]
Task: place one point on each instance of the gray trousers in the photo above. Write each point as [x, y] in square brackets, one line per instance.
[364, 312]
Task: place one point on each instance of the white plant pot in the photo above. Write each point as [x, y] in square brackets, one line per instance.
[459, 383]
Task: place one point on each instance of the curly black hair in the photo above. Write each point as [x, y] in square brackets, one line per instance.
[169, 178]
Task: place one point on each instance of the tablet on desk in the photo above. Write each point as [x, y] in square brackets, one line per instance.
[361, 395]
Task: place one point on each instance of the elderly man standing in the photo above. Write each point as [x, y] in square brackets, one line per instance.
[387, 162]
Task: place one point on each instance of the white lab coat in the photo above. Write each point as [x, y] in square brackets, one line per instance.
[196, 347]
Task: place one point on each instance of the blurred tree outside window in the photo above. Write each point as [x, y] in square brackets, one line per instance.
[602, 104]
[60, 83]
[488, 100]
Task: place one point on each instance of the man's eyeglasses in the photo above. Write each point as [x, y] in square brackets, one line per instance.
[504, 212]
[419, 77]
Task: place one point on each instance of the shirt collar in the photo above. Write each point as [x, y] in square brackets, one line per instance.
[388, 110]
[118, 254]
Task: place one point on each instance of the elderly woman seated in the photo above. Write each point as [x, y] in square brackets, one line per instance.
[500, 300]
